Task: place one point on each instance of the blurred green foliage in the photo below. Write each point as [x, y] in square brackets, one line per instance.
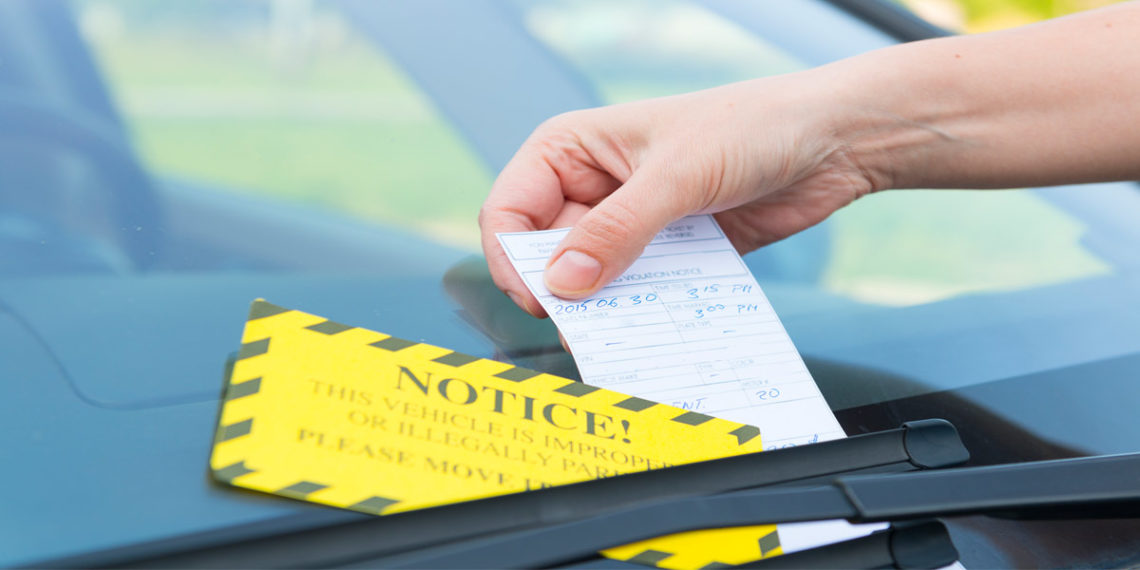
[320, 117]
[986, 15]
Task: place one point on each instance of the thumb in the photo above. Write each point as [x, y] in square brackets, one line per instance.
[608, 238]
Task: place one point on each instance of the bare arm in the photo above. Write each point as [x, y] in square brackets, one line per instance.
[1056, 102]
[1051, 103]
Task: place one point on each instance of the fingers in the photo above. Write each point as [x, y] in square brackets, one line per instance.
[573, 171]
[525, 197]
[531, 194]
[608, 238]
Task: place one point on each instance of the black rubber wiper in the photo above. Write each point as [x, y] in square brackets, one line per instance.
[916, 445]
[1091, 487]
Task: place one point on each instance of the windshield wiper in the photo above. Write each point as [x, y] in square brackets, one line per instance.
[916, 445]
[1090, 487]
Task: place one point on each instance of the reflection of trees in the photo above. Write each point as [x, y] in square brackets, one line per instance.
[291, 30]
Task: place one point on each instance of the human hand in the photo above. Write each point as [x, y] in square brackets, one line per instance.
[759, 154]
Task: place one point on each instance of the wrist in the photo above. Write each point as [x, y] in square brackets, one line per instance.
[895, 119]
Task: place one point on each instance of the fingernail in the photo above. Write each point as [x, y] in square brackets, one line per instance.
[516, 298]
[573, 272]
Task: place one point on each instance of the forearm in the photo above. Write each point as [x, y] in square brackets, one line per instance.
[1057, 102]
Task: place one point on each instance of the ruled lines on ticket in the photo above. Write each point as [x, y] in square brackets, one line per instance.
[687, 325]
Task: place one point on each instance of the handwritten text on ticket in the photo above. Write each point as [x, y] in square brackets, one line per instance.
[687, 325]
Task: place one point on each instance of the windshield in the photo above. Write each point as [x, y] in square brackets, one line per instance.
[165, 163]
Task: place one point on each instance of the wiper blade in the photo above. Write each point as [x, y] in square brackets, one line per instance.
[917, 445]
[1100, 487]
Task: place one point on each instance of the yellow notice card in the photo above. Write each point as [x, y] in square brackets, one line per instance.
[333, 414]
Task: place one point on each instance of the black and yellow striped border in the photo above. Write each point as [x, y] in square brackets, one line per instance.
[243, 388]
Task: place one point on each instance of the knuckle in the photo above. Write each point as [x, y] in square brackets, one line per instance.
[571, 125]
[491, 219]
[486, 214]
[612, 225]
[558, 124]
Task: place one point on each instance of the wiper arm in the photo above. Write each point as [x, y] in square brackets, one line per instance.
[923, 544]
[1100, 487]
[912, 545]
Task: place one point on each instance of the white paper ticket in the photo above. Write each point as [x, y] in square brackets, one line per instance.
[687, 325]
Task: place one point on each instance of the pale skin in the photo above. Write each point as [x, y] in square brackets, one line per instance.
[1053, 103]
